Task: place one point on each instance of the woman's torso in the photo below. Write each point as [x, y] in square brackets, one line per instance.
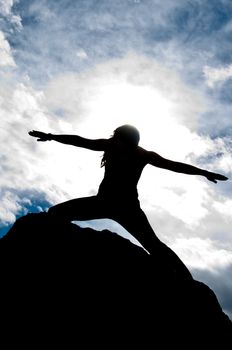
[123, 168]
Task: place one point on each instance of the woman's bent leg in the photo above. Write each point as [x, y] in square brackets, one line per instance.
[85, 208]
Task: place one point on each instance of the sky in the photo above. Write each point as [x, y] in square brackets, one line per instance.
[87, 66]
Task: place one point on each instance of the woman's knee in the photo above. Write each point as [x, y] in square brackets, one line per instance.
[57, 211]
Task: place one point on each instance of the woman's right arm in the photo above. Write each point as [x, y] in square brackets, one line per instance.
[74, 140]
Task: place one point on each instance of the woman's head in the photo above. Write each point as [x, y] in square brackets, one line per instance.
[127, 133]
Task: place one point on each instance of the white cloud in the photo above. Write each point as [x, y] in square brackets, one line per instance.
[225, 162]
[43, 12]
[6, 6]
[202, 254]
[225, 208]
[133, 88]
[215, 75]
[17, 21]
[6, 58]
[81, 54]
[9, 207]
[182, 197]
[22, 168]
[6, 11]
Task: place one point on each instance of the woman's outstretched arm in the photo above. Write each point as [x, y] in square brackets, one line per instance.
[160, 162]
[74, 140]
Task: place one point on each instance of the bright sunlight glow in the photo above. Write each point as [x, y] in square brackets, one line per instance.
[123, 103]
[156, 115]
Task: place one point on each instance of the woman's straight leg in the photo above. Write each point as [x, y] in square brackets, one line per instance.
[137, 224]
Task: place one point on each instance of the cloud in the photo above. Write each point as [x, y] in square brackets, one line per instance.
[82, 54]
[6, 58]
[6, 6]
[8, 207]
[224, 208]
[131, 75]
[6, 10]
[215, 75]
[58, 30]
[203, 254]
[56, 38]
[21, 108]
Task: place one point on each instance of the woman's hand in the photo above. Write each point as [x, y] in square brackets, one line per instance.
[42, 136]
[216, 177]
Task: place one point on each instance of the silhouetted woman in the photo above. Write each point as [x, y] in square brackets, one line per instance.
[117, 197]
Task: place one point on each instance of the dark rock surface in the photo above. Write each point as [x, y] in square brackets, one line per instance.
[101, 289]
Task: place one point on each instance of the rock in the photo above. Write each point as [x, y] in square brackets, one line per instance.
[100, 285]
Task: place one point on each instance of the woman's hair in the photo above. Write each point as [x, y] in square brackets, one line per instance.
[126, 133]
